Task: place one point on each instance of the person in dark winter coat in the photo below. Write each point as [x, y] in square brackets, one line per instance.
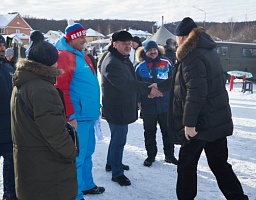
[170, 49]
[154, 67]
[136, 43]
[119, 99]
[44, 152]
[200, 112]
[6, 146]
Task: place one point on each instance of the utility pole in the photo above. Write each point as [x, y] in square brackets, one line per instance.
[202, 11]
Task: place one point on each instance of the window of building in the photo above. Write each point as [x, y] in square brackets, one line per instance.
[2, 31]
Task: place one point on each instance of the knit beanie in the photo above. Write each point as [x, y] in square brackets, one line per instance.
[2, 40]
[74, 31]
[150, 44]
[9, 52]
[41, 51]
[121, 36]
[185, 27]
[137, 40]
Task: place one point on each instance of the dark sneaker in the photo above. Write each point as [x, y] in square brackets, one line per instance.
[95, 190]
[122, 180]
[148, 162]
[108, 167]
[172, 160]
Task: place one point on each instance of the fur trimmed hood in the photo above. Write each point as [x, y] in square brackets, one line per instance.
[197, 38]
[28, 69]
[140, 54]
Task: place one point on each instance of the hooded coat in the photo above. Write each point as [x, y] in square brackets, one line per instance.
[44, 153]
[198, 93]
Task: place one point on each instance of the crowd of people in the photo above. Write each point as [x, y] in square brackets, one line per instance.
[184, 92]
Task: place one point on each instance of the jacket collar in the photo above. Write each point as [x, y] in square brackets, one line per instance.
[190, 44]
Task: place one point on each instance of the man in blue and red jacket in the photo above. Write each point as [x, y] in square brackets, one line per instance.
[81, 90]
[154, 67]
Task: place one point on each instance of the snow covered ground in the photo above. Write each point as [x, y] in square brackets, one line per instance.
[159, 180]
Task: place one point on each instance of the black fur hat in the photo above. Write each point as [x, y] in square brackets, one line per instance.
[121, 36]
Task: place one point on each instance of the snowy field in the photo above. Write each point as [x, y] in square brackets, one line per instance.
[159, 181]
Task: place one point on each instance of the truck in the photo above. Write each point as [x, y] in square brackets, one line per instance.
[236, 56]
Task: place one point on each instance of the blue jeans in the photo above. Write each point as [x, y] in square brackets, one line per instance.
[116, 148]
[8, 176]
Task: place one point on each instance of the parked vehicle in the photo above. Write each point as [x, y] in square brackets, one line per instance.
[237, 57]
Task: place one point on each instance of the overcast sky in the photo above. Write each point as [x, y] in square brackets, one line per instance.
[146, 10]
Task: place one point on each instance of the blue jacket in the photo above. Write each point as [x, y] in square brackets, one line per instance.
[154, 71]
[78, 82]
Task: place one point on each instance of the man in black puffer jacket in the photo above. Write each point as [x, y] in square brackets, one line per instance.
[200, 113]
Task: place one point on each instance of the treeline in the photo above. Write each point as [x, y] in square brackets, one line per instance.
[229, 31]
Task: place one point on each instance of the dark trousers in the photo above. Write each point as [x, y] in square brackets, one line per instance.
[217, 155]
[116, 148]
[8, 176]
[150, 128]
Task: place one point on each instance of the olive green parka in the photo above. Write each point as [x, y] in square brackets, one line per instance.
[44, 153]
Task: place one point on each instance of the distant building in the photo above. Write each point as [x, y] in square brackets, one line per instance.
[52, 36]
[92, 35]
[143, 35]
[13, 24]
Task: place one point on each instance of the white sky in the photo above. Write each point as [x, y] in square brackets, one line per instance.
[146, 10]
[159, 180]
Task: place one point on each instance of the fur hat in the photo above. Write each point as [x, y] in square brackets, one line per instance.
[41, 51]
[9, 52]
[185, 27]
[2, 40]
[121, 36]
[150, 44]
[74, 31]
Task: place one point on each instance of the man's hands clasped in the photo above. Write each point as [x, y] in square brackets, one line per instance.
[154, 91]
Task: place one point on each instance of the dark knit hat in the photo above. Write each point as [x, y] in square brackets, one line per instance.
[41, 51]
[2, 40]
[185, 27]
[74, 31]
[121, 36]
[137, 40]
[150, 44]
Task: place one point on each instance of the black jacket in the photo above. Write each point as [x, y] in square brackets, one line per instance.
[198, 93]
[120, 88]
[6, 72]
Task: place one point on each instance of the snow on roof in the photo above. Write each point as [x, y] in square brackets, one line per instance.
[139, 33]
[92, 33]
[101, 41]
[134, 32]
[59, 33]
[6, 19]
[21, 36]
